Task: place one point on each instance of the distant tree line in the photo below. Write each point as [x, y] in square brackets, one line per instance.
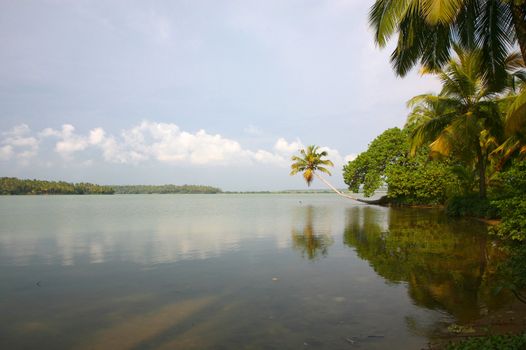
[164, 189]
[14, 186]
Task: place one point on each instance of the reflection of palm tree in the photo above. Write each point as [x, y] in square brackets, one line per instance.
[308, 242]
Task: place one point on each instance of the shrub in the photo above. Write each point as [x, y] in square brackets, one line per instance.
[471, 205]
[492, 342]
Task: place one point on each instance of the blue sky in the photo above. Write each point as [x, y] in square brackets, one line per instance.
[202, 92]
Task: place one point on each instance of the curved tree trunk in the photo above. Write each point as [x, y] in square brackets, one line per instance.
[381, 200]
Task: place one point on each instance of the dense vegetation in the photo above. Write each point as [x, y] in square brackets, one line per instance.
[410, 180]
[465, 146]
[164, 189]
[501, 342]
[13, 186]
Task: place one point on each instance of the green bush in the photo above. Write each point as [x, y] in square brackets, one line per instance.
[492, 342]
[510, 198]
[513, 215]
[471, 205]
[513, 269]
[411, 180]
[419, 181]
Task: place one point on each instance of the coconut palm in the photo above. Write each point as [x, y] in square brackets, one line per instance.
[428, 29]
[514, 103]
[310, 161]
[469, 124]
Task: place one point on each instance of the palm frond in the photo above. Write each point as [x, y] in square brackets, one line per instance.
[324, 170]
[465, 26]
[493, 36]
[441, 11]
[384, 16]
[429, 131]
[516, 116]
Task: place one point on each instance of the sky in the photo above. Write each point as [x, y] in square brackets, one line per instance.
[217, 93]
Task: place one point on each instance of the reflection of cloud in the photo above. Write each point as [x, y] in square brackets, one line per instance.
[147, 237]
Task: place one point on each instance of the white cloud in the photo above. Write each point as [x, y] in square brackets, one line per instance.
[18, 143]
[161, 142]
[285, 147]
[6, 152]
[69, 141]
[96, 136]
[350, 157]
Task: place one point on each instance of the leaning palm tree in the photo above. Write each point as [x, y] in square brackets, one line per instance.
[469, 121]
[428, 29]
[310, 162]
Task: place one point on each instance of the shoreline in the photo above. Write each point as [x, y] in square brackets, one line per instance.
[511, 319]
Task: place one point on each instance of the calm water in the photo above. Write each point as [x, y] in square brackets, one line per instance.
[234, 272]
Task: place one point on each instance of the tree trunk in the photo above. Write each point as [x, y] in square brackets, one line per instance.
[482, 172]
[519, 23]
[382, 200]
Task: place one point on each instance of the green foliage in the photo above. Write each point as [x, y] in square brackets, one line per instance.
[510, 193]
[13, 186]
[513, 270]
[165, 189]
[425, 31]
[492, 342]
[368, 169]
[471, 205]
[410, 180]
[419, 181]
[513, 218]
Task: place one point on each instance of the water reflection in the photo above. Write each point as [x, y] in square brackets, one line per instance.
[74, 230]
[448, 265]
[312, 244]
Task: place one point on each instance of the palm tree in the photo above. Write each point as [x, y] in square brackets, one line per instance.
[311, 161]
[468, 123]
[428, 29]
[514, 103]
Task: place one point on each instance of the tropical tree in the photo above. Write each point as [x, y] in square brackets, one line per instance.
[469, 123]
[409, 180]
[515, 105]
[428, 29]
[309, 162]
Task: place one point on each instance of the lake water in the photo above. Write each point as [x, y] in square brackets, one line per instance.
[235, 272]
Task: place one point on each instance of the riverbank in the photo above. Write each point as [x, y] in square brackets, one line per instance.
[511, 319]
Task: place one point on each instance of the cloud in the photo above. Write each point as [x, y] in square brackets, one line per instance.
[69, 141]
[350, 157]
[6, 152]
[284, 147]
[152, 141]
[18, 143]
